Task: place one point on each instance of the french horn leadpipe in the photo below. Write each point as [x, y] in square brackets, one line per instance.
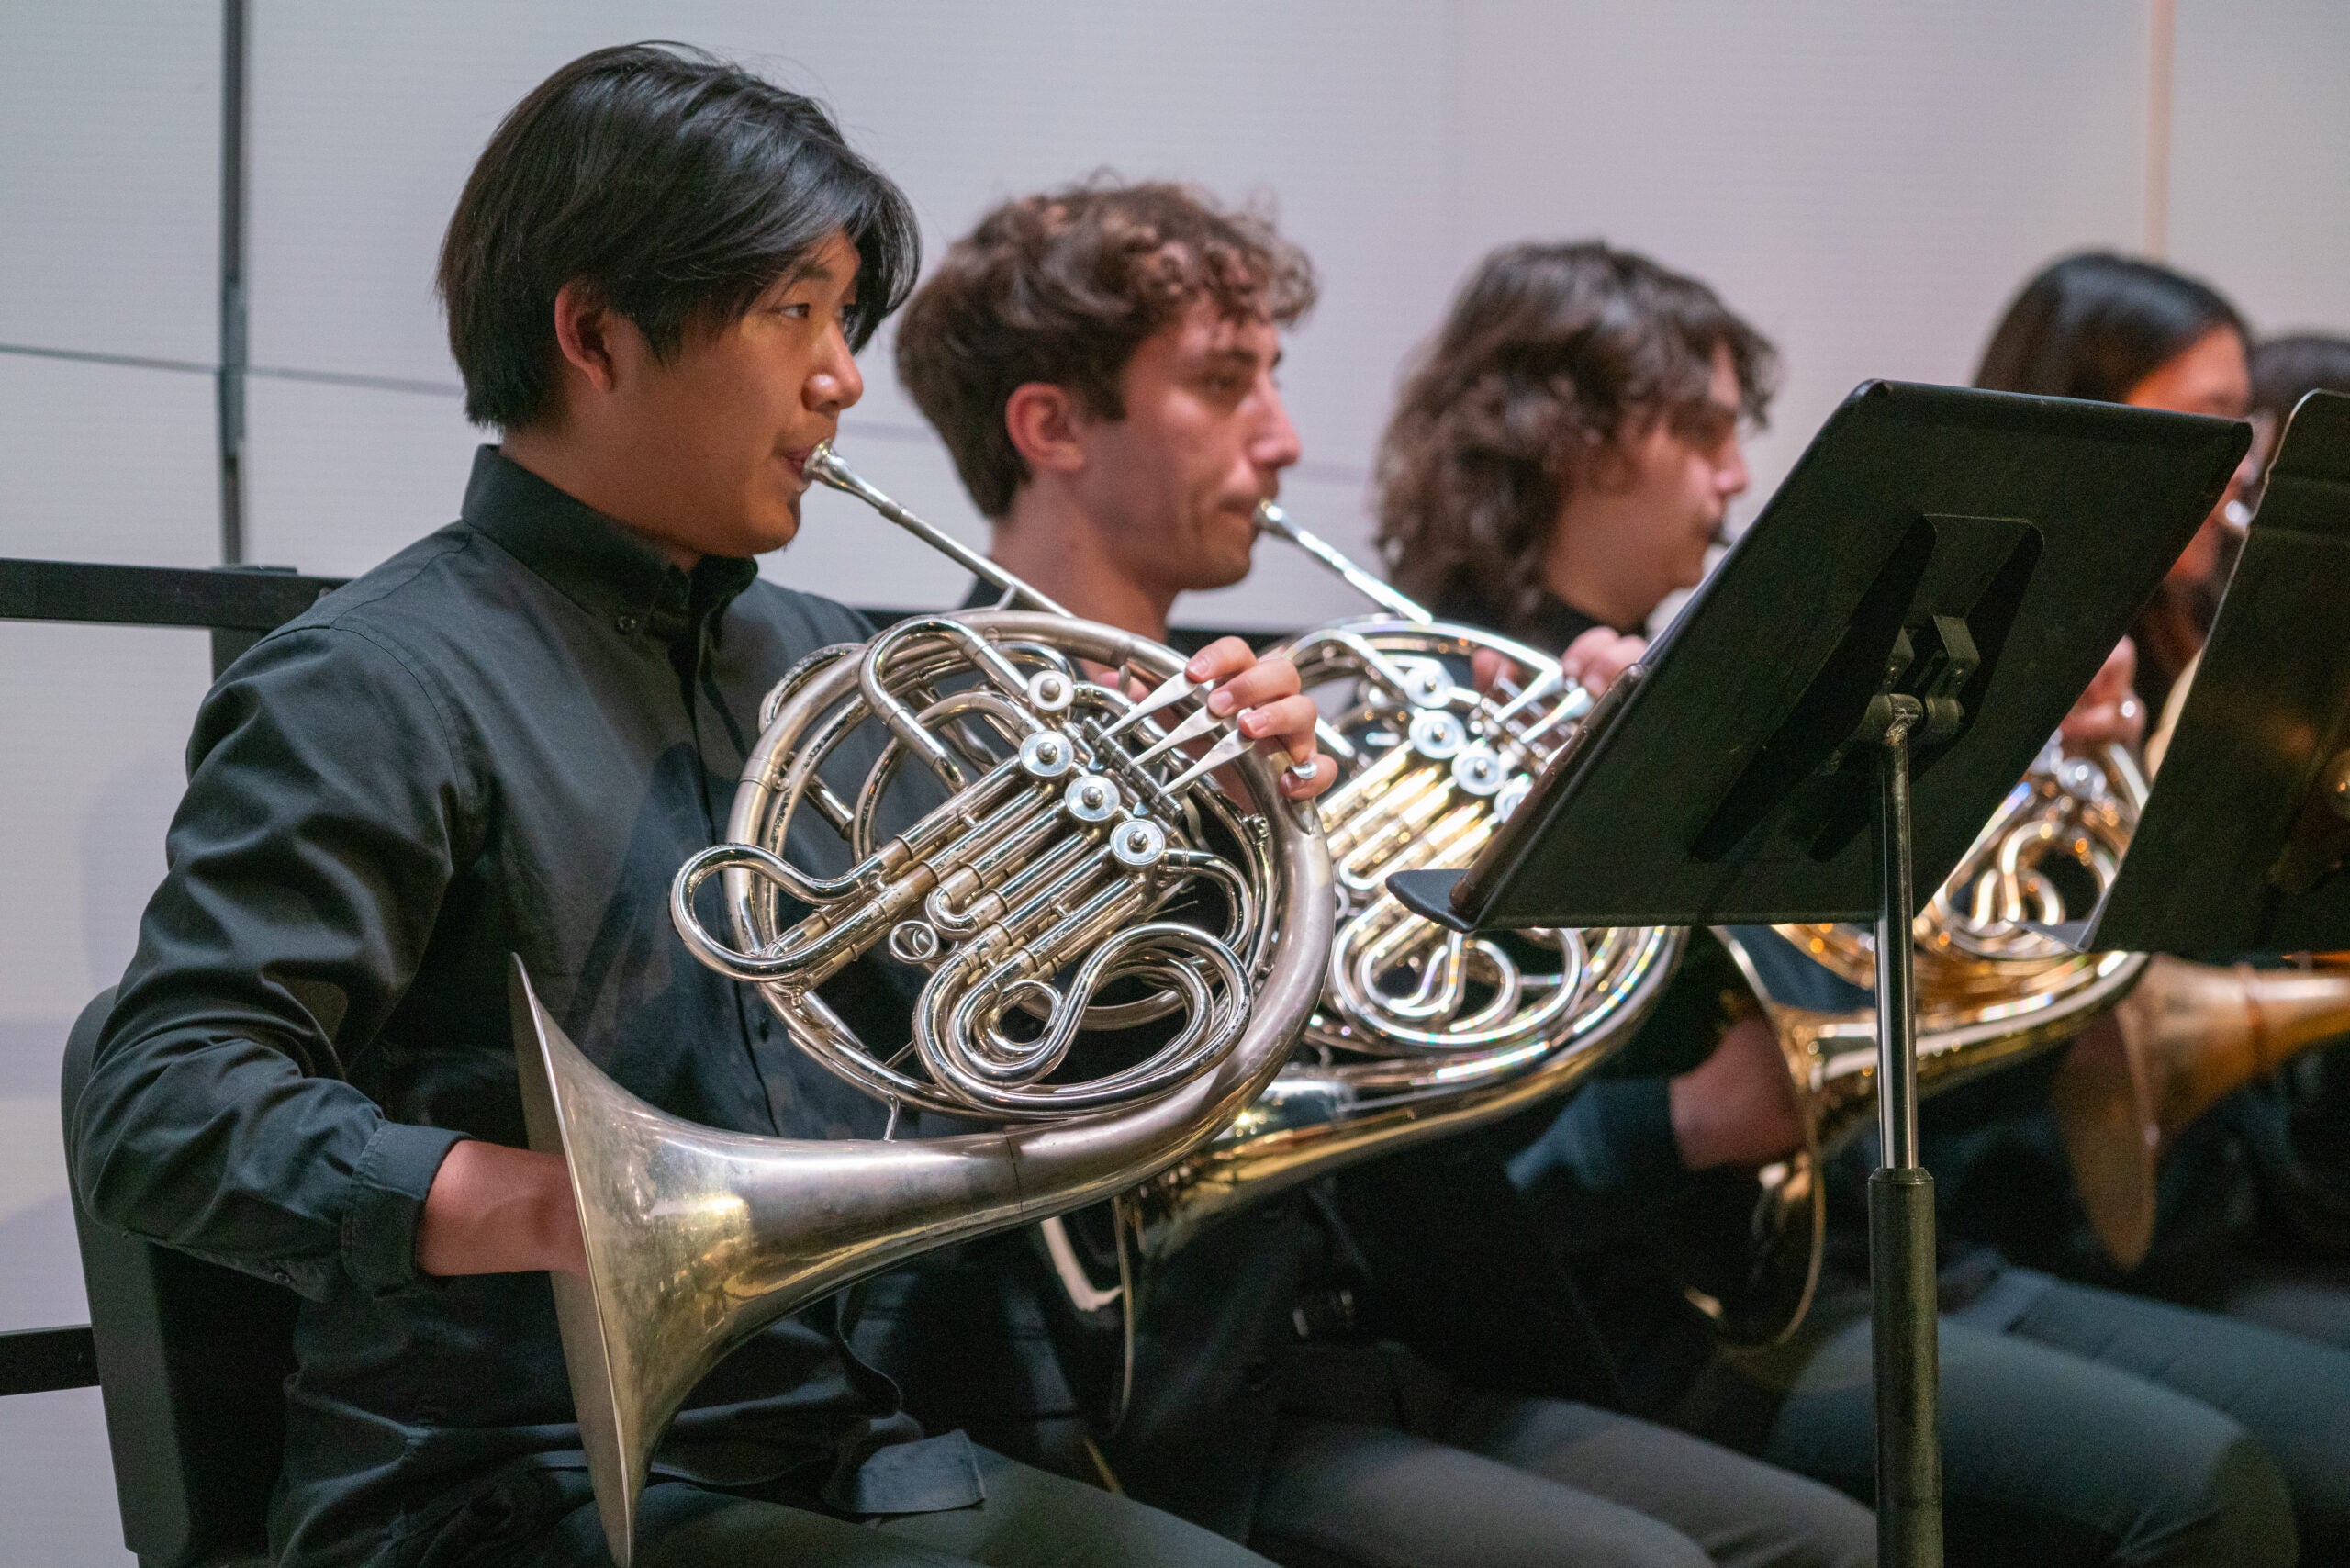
[1081, 846]
[1420, 1033]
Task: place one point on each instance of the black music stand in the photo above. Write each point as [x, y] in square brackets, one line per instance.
[2241, 844]
[1920, 602]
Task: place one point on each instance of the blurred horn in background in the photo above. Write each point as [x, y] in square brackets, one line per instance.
[2187, 1037]
[1991, 992]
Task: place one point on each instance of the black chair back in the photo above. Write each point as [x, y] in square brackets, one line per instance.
[192, 1362]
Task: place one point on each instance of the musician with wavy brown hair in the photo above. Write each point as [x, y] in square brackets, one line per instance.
[2078, 1425]
[1099, 360]
[1569, 370]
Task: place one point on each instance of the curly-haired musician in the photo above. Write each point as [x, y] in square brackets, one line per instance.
[506, 740]
[1101, 362]
[2078, 1423]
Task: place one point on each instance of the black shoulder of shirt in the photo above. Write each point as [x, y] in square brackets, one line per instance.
[401, 594]
[1553, 624]
[828, 620]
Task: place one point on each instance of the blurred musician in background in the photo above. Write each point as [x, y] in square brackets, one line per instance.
[2078, 1424]
[2284, 371]
[2244, 1225]
[1100, 362]
[2114, 330]
[2240, 1226]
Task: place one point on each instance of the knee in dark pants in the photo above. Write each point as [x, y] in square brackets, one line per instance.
[2239, 1512]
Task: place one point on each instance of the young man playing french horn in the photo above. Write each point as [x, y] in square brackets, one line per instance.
[506, 739]
[1099, 360]
[1563, 450]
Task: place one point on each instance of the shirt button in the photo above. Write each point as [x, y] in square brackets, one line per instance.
[628, 625]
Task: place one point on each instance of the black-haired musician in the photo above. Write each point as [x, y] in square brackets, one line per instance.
[506, 740]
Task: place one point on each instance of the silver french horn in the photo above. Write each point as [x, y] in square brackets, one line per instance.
[1420, 1033]
[1084, 870]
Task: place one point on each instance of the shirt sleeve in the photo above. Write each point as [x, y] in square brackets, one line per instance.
[306, 865]
[1611, 1141]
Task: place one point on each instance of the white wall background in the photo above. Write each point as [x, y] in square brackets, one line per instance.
[1867, 183]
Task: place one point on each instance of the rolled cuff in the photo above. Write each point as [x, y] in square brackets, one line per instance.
[395, 1171]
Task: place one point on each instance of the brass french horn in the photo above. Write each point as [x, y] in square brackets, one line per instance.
[1084, 872]
[2187, 1037]
[1420, 1033]
[1374, 1075]
[1991, 992]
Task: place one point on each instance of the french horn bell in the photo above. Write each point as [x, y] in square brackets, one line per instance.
[1084, 872]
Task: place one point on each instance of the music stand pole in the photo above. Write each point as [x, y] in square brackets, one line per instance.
[1901, 1198]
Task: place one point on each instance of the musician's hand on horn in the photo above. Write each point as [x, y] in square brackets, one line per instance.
[2109, 712]
[1274, 711]
[1738, 1106]
[1592, 661]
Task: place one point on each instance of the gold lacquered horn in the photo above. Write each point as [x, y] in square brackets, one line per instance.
[2186, 1038]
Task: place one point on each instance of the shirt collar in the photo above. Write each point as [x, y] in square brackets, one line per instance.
[1556, 621]
[594, 561]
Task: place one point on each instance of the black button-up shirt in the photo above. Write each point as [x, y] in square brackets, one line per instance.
[504, 740]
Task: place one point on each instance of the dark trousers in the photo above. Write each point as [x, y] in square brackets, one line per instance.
[2311, 1299]
[1030, 1519]
[2082, 1426]
[1383, 1461]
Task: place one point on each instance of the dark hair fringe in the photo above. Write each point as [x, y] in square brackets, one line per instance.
[2096, 324]
[677, 185]
[2287, 369]
[1549, 354]
[1061, 288]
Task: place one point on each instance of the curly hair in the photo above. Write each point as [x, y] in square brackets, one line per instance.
[1061, 288]
[1551, 353]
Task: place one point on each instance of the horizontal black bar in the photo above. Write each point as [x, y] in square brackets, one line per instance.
[262, 598]
[228, 599]
[41, 1361]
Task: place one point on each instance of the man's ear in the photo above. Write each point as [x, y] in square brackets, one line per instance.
[1046, 426]
[585, 328]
